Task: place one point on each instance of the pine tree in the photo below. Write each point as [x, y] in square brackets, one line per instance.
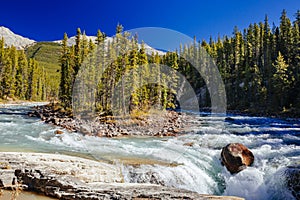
[40, 84]
[65, 92]
[119, 28]
[14, 65]
[267, 53]
[33, 80]
[144, 76]
[285, 36]
[282, 80]
[238, 59]
[297, 21]
[22, 76]
[296, 52]
[84, 47]
[100, 62]
[155, 74]
[6, 75]
[133, 59]
[2, 44]
[100, 37]
[77, 52]
[124, 87]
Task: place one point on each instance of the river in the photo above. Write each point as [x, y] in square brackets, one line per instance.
[275, 144]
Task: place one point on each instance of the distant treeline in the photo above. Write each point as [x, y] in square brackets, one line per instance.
[260, 65]
[20, 78]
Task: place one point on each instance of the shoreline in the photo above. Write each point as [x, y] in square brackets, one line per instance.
[21, 102]
[69, 177]
[156, 124]
[283, 115]
[280, 115]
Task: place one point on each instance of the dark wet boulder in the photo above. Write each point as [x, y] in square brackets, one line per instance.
[292, 180]
[236, 157]
[229, 119]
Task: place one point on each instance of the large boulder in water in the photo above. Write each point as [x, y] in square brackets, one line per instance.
[236, 157]
[292, 180]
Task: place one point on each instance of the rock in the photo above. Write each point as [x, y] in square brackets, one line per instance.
[59, 164]
[85, 130]
[1, 184]
[69, 178]
[176, 130]
[292, 180]
[166, 123]
[67, 187]
[4, 165]
[6, 177]
[229, 119]
[58, 132]
[189, 144]
[236, 157]
[56, 121]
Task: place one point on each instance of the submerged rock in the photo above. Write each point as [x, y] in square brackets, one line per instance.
[236, 157]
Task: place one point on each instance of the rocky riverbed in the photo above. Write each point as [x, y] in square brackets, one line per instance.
[67, 177]
[164, 123]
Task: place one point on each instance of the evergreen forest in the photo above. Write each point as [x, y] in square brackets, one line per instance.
[260, 68]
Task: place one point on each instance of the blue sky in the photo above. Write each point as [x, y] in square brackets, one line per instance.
[48, 20]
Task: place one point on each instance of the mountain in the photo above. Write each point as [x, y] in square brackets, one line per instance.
[47, 54]
[72, 40]
[21, 42]
[148, 49]
[11, 38]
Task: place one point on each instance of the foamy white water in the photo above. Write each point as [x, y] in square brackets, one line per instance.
[275, 144]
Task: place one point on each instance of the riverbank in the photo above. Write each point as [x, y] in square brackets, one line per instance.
[67, 177]
[4, 104]
[291, 113]
[153, 123]
[12, 102]
[285, 114]
[23, 195]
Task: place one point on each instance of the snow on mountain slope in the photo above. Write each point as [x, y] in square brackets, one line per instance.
[149, 49]
[21, 42]
[72, 40]
[11, 38]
